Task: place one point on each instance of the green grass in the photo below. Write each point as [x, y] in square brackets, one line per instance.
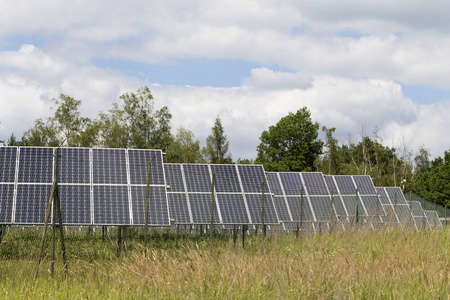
[387, 265]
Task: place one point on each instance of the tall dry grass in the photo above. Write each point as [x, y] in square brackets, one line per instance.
[352, 265]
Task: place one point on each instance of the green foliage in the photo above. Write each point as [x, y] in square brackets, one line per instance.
[291, 144]
[184, 149]
[216, 149]
[41, 134]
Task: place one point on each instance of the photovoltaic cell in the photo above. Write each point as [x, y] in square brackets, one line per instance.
[8, 157]
[233, 209]
[255, 209]
[139, 159]
[252, 177]
[197, 178]
[226, 179]
[281, 208]
[365, 185]
[75, 204]
[31, 203]
[274, 184]
[396, 195]
[331, 185]
[315, 183]
[384, 199]
[201, 208]
[73, 165]
[178, 208]
[111, 205]
[6, 202]
[345, 184]
[158, 211]
[109, 166]
[36, 165]
[174, 177]
[322, 208]
[292, 183]
[295, 205]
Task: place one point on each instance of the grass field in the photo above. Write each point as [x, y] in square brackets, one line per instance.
[354, 265]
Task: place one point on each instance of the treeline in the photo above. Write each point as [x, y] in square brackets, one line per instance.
[290, 145]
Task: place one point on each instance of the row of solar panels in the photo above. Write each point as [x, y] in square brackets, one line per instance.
[109, 186]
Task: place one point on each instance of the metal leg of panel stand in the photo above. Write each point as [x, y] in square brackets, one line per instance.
[235, 233]
[244, 229]
[103, 233]
[119, 240]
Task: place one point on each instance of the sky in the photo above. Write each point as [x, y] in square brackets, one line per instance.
[358, 66]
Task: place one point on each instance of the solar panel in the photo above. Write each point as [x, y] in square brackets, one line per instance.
[201, 208]
[339, 207]
[315, 183]
[295, 205]
[111, 205]
[254, 202]
[139, 159]
[345, 184]
[372, 205]
[109, 166]
[322, 208]
[158, 211]
[332, 188]
[274, 183]
[292, 183]
[233, 209]
[31, 203]
[197, 178]
[73, 166]
[433, 218]
[178, 208]
[281, 208]
[8, 159]
[252, 177]
[174, 177]
[6, 203]
[350, 205]
[416, 209]
[391, 216]
[364, 184]
[226, 179]
[403, 213]
[35, 165]
[384, 199]
[396, 195]
[75, 204]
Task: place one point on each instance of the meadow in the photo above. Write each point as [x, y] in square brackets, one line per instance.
[398, 264]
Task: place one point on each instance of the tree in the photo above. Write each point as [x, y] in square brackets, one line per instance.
[184, 149]
[422, 161]
[291, 144]
[41, 134]
[112, 132]
[332, 150]
[216, 149]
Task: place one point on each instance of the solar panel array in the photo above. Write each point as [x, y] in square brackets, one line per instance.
[433, 219]
[418, 215]
[395, 204]
[238, 194]
[301, 197]
[356, 191]
[95, 186]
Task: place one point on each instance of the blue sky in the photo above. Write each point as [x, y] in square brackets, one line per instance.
[250, 62]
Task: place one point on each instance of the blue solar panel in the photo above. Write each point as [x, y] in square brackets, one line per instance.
[254, 202]
[232, 208]
[75, 204]
[281, 208]
[252, 177]
[8, 157]
[416, 209]
[292, 183]
[6, 202]
[403, 213]
[321, 206]
[295, 205]
[396, 195]
[178, 208]
[384, 199]
[201, 208]
[274, 183]
[372, 205]
[35, 165]
[315, 183]
[350, 205]
[31, 203]
[226, 179]
[158, 211]
[365, 185]
[73, 165]
[197, 178]
[174, 177]
[339, 207]
[331, 185]
[109, 166]
[138, 163]
[111, 205]
[345, 184]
